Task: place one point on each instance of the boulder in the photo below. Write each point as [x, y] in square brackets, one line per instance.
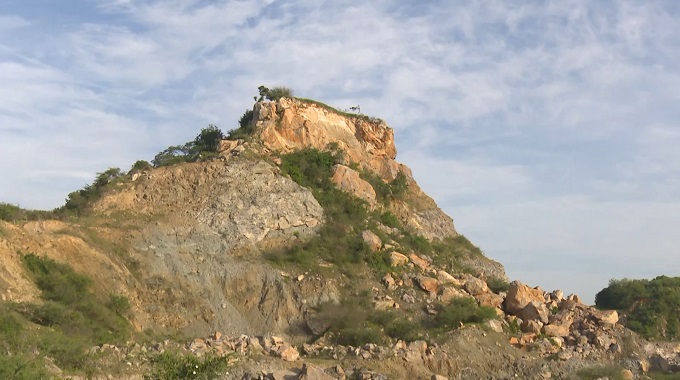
[397, 259]
[520, 295]
[489, 299]
[385, 304]
[449, 292]
[418, 261]
[556, 330]
[474, 285]
[289, 353]
[349, 181]
[372, 240]
[535, 311]
[389, 282]
[605, 317]
[533, 326]
[446, 279]
[312, 372]
[428, 284]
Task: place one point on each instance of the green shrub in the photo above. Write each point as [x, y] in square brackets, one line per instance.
[78, 201]
[612, 372]
[497, 285]
[275, 93]
[171, 366]
[461, 310]
[208, 140]
[140, 166]
[119, 304]
[204, 146]
[9, 212]
[245, 127]
[388, 219]
[19, 367]
[652, 307]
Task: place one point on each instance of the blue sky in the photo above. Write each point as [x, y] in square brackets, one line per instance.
[547, 130]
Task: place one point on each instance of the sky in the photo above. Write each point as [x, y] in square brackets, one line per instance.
[548, 130]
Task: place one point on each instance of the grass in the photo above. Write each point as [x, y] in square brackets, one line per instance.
[611, 371]
[69, 321]
[339, 112]
[172, 366]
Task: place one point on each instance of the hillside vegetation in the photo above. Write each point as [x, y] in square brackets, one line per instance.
[652, 307]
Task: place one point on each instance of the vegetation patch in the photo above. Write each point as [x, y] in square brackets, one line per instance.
[461, 311]
[652, 307]
[73, 318]
[172, 366]
[612, 372]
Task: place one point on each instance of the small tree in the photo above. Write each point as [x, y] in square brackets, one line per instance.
[208, 140]
[274, 93]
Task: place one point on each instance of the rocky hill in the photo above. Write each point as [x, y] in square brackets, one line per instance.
[303, 250]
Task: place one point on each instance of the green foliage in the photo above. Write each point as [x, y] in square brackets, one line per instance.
[79, 200]
[388, 219]
[652, 307]
[140, 166]
[461, 310]
[78, 320]
[497, 285]
[245, 127]
[274, 94]
[208, 140]
[9, 212]
[612, 372]
[171, 366]
[338, 240]
[349, 322]
[204, 145]
[119, 304]
[386, 191]
[20, 367]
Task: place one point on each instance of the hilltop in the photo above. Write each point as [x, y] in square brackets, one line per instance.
[295, 246]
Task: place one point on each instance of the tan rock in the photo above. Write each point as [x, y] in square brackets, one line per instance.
[384, 305]
[495, 325]
[520, 295]
[372, 240]
[446, 279]
[489, 299]
[474, 285]
[389, 282]
[532, 326]
[428, 284]
[397, 259]
[449, 292]
[312, 372]
[605, 317]
[535, 311]
[418, 261]
[289, 353]
[349, 181]
[556, 330]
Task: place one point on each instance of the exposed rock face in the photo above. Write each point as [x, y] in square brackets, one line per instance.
[291, 124]
[349, 181]
[520, 295]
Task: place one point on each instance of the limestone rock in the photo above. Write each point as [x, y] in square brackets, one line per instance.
[372, 240]
[446, 279]
[428, 284]
[474, 285]
[520, 295]
[289, 353]
[556, 330]
[532, 326]
[312, 372]
[489, 299]
[605, 317]
[535, 311]
[349, 181]
[397, 259]
[418, 261]
[449, 292]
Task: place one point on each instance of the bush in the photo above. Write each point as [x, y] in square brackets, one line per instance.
[461, 310]
[79, 200]
[208, 140]
[388, 219]
[652, 307]
[245, 128]
[9, 212]
[169, 366]
[274, 93]
[497, 285]
[612, 372]
[140, 166]
[18, 367]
